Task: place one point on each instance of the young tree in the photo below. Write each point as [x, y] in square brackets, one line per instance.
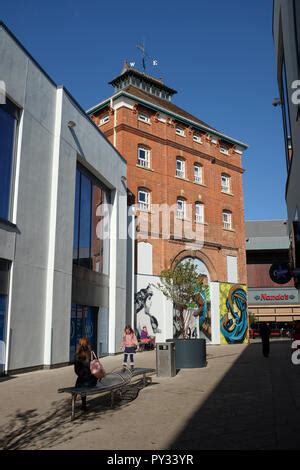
[182, 286]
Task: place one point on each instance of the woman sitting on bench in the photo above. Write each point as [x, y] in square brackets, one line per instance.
[147, 340]
[82, 368]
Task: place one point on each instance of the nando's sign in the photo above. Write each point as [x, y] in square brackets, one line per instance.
[273, 296]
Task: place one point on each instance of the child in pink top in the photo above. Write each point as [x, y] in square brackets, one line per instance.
[129, 343]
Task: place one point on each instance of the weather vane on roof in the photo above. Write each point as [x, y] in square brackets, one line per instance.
[145, 55]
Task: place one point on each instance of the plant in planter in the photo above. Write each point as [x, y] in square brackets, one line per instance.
[182, 285]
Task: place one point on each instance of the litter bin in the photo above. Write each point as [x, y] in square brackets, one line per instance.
[165, 359]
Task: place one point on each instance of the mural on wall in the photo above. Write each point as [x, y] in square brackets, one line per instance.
[233, 313]
[203, 312]
[144, 314]
[197, 318]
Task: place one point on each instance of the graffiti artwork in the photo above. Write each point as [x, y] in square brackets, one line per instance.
[144, 316]
[203, 312]
[233, 311]
[197, 318]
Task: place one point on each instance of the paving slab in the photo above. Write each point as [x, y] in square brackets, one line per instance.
[241, 400]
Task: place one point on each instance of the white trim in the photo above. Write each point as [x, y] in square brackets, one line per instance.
[143, 206]
[224, 150]
[144, 118]
[199, 218]
[179, 131]
[115, 124]
[104, 120]
[123, 102]
[177, 116]
[180, 173]
[227, 224]
[225, 188]
[19, 137]
[113, 273]
[52, 231]
[198, 178]
[14, 221]
[145, 163]
[197, 138]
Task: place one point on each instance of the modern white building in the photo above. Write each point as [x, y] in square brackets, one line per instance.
[62, 221]
[286, 34]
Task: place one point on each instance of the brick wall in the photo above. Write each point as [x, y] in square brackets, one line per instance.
[160, 179]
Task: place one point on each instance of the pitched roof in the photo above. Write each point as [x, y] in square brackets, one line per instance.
[168, 105]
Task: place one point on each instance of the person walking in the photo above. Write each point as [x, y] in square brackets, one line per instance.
[82, 368]
[265, 338]
[130, 344]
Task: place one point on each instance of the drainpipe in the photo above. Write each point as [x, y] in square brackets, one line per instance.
[115, 123]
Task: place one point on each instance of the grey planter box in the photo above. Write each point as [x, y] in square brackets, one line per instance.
[190, 353]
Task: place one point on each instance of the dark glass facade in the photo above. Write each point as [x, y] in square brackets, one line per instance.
[89, 247]
[8, 126]
[83, 323]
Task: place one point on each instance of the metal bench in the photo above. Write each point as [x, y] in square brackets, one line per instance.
[113, 383]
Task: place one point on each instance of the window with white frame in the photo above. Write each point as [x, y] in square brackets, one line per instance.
[213, 139]
[227, 220]
[225, 183]
[224, 149]
[198, 173]
[179, 131]
[180, 168]
[199, 213]
[143, 157]
[104, 119]
[181, 208]
[197, 138]
[143, 199]
[144, 118]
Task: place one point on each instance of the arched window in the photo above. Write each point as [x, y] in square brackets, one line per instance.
[225, 183]
[181, 208]
[227, 219]
[143, 199]
[199, 213]
[143, 156]
[198, 173]
[180, 167]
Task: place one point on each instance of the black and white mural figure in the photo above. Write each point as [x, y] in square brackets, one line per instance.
[144, 316]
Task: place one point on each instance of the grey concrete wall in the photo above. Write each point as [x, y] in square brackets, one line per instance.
[35, 94]
[30, 89]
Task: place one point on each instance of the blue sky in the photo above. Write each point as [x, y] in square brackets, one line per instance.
[218, 55]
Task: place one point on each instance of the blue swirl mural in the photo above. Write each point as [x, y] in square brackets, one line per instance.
[234, 323]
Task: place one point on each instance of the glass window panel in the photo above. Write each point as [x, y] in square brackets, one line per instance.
[97, 230]
[76, 217]
[7, 136]
[85, 222]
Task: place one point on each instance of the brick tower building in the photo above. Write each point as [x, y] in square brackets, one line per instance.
[177, 160]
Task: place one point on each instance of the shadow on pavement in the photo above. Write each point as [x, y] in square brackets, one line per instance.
[30, 429]
[255, 406]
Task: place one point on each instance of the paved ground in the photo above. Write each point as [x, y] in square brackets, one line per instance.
[241, 400]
